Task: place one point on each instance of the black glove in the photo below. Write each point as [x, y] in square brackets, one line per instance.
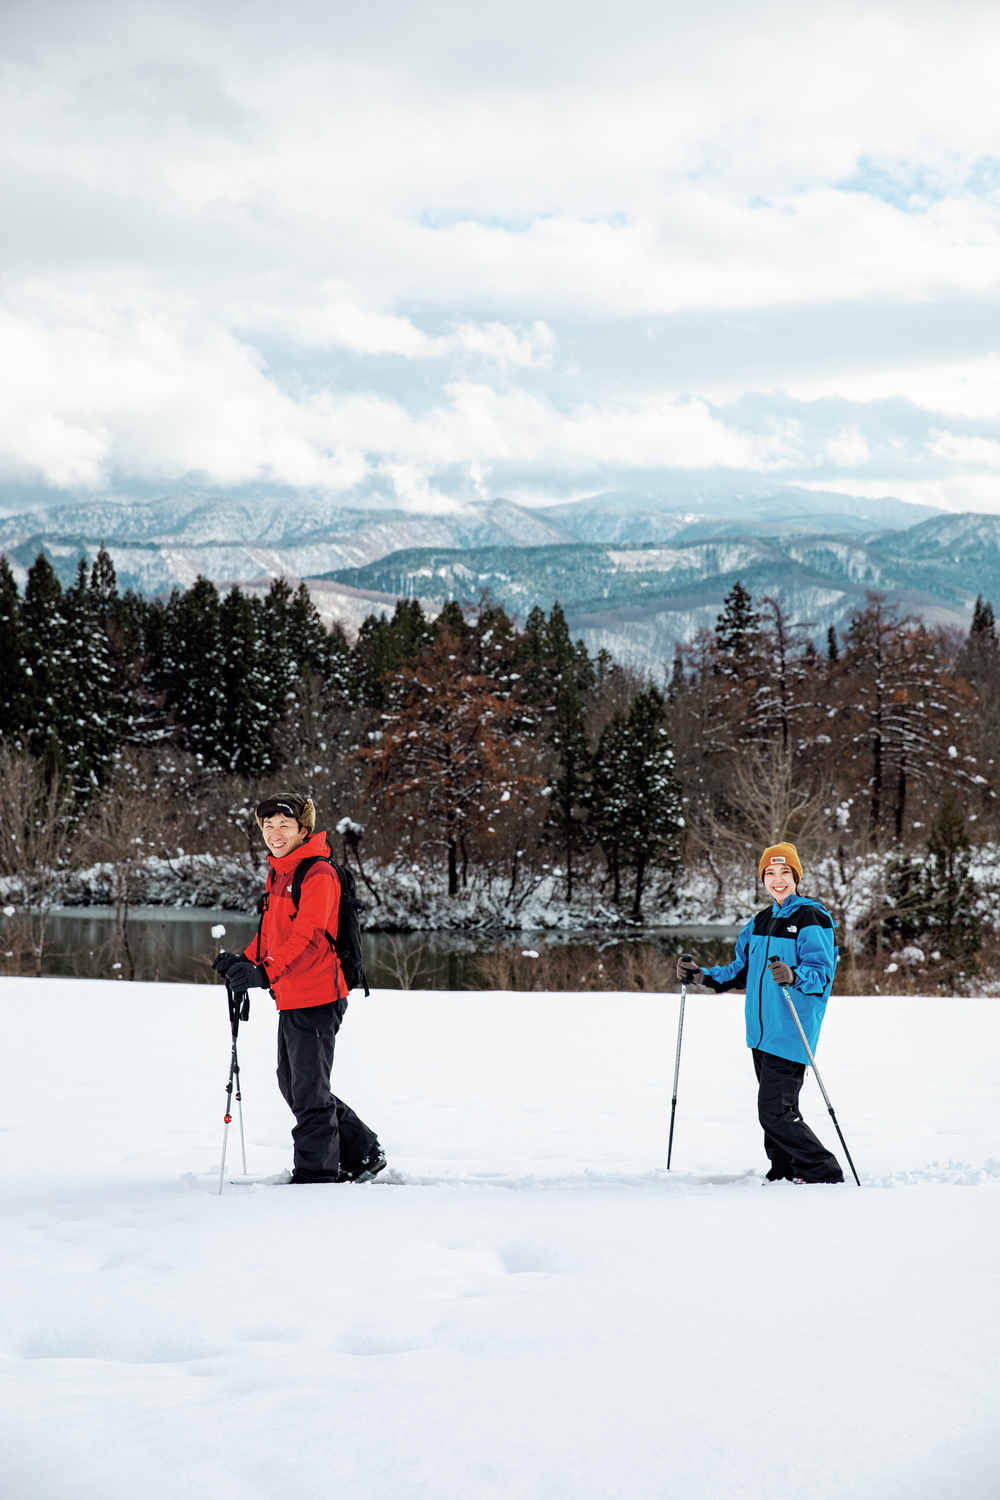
[781, 973]
[689, 973]
[240, 973]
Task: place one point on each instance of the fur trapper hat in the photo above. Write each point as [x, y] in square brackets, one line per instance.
[299, 808]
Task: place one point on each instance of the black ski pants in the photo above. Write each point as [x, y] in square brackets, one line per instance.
[791, 1147]
[328, 1135]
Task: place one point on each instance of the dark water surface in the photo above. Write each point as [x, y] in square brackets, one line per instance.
[172, 944]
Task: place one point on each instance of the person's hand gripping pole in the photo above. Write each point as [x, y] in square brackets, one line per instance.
[687, 969]
[812, 1060]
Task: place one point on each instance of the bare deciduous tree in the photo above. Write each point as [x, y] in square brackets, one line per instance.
[36, 841]
[125, 825]
[774, 806]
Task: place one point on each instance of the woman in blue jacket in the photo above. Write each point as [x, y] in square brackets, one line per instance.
[789, 943]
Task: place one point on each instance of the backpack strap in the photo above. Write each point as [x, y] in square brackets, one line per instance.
[263, 907]
[348, 904]
[301, 871]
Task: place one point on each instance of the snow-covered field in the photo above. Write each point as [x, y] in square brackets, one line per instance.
[537, 1310]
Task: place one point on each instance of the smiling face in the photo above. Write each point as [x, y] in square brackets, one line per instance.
[283, 834]
[780, 881]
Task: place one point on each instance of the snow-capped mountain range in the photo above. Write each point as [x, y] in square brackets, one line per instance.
[635, 572]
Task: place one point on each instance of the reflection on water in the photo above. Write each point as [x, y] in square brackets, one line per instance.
[177, 945]
[173, 946]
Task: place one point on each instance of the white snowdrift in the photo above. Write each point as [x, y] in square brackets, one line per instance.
[538, 1310]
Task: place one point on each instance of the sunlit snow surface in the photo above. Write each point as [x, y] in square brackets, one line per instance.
[536, 1309]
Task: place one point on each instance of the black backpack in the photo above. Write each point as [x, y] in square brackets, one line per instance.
[347, 943]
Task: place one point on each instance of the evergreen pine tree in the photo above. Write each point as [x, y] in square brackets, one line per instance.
[979, 664]
[253, 683]
[92, 716]
[607, 805]
[48, 662]
[452, 621]
[385, 645]
[186, 650]
[832, 649]
[340, 680]
[676, 686]
[953, 925]
[571, 792]
[127, 625]
[274, 663]
[979, 659]
[316, 651]
[983, 623]
[103, 585]
[538, 661]
[735, 629]
[637, 806]
[562, 654]
[15, 684]
[494, 639]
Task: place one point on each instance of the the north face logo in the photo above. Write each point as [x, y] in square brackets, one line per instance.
[790, 928]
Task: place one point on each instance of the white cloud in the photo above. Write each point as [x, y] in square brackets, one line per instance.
[355, 249]
[341, 324]
[848, 449]
[153, 392]
[957, 388]
[971, 452]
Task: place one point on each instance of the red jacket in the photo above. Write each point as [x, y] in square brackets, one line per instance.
[302, 965]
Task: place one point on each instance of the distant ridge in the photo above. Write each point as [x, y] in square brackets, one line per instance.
[635, 571]
[639, 516]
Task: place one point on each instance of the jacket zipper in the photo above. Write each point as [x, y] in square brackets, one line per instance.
[760, 995]
[760, 982]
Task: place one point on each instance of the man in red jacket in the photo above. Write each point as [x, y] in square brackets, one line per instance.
[295, 958]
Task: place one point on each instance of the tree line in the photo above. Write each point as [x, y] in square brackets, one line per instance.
[464, 742]
[475, 747]
[878, 753]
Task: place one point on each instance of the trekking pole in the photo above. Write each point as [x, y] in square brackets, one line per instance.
[239, 1009]
[685, 957]
[826, 1096]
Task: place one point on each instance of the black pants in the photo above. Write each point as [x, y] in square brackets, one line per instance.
[792, 1149]
[328, 1135]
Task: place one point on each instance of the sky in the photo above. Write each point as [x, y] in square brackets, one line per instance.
[421, 252]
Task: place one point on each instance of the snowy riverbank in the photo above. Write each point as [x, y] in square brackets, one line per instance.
[411, 900]
[537, 1311]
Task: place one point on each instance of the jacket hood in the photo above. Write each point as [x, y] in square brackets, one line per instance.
[314, 845]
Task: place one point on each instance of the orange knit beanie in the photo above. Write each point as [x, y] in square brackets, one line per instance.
[781, 854]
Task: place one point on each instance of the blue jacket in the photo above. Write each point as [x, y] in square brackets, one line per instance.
[801, 933]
